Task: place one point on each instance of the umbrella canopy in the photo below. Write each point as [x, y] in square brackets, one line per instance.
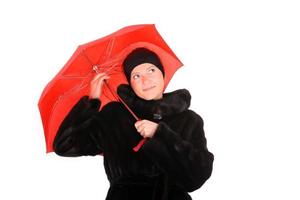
[102, 55]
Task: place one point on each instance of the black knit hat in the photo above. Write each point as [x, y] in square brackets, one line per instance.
[139, 56]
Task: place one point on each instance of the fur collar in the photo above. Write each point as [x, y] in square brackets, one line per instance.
[171, 103]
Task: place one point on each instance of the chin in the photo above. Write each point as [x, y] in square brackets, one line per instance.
[151, 97]
[148, 97]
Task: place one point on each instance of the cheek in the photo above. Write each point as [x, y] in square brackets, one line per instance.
[135, 86]
[160, 81]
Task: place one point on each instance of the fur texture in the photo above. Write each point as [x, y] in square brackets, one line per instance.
[172, 163]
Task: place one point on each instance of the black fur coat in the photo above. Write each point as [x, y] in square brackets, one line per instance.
[172, 163]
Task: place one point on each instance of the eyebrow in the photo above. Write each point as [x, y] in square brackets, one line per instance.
[151, 66]
[134, 73]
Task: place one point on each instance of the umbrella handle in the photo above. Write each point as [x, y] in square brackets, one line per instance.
[139, 145]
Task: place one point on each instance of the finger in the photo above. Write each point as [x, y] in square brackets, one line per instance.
[145, 133]
[137, 124]
[140, 125]
[100, 81]
[142, 133]
[139, 129]
[142, 121]
[104, 78]
[97, 76]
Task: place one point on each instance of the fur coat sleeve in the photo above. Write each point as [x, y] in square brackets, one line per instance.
[183, 153]
[80, 127]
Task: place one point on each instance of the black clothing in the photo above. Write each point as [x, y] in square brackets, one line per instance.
[172, 163]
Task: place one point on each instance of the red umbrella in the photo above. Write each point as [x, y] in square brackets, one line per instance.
[103, 55]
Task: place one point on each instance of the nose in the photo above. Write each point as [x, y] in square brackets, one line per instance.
[145, 79]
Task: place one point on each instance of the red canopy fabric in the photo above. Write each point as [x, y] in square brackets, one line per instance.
[102, 55]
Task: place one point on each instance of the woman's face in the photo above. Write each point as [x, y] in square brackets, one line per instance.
[147, 81]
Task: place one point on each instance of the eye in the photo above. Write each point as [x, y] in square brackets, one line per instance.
[136, 76]
[151, 70]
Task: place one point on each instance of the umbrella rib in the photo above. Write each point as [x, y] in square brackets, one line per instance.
[110, 47]
[90, 62]
[108, 50]
[112, 73]
[71, 77]
[110, 68]
[105, 56]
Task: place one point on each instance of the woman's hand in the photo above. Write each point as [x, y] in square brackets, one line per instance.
[96, 85]
[146, 128]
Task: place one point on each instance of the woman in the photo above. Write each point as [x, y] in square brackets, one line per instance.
[173, 161]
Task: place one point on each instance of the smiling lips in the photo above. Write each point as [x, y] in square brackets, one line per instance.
[149, 88]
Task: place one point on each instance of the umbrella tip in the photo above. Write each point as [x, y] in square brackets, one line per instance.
[96, 68]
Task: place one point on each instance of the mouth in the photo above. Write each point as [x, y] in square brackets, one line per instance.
[149, 88]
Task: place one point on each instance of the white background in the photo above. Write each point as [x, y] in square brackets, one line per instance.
[241, 66]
